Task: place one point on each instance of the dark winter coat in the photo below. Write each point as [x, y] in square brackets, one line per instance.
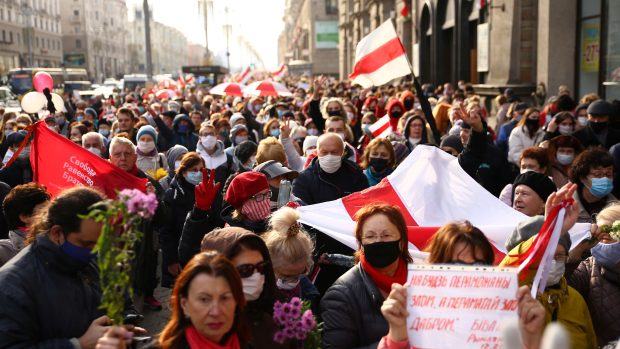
[19, 172]
[46, 298]
[600, 288]
[170, 137]
[314, 185]
[197, 224]
[485, 163]
[351, 312]
[178, 201]
[587, 137]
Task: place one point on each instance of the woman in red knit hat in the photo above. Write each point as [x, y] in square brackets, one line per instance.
[248, 196]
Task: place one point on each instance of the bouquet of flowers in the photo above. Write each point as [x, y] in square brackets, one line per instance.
[613, 230]
[297, 323]
[157, 174]
[120, 231]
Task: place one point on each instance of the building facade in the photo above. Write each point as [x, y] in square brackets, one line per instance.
[310, 36]
[95, 37]
[30, 34]
[169, 46]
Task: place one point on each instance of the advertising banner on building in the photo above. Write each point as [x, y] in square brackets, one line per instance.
[483, 47]
[590, 44]
[326, 34]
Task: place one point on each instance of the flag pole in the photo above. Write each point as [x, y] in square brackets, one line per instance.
[424, 103]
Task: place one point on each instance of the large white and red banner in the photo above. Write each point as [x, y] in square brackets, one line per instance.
[59, 163]
[379, 57]
[431, 189]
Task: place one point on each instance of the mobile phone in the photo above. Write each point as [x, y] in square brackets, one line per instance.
[132, 319]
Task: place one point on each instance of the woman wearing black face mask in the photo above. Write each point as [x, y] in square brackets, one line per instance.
[527, 133]
[378, 160]
[351, 308]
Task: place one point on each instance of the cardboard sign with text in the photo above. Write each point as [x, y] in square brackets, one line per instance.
[459, 305]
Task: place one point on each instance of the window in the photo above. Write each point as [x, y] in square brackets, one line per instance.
[331, 7]
[76, 13]
[37, 42]
[8, 12]
[96, 15]
[48, 44]
[19, 38]
[11, 37]
[77, 29]
[3, 35]
[78, 43]
[1, 14]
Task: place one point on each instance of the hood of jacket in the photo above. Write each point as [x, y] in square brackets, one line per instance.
[179, 118]
[394, 103]
[406, 129]
[406, 94]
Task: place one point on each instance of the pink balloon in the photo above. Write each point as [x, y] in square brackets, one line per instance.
[42, 80]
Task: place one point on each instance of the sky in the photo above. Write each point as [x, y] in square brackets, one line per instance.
[258, 22]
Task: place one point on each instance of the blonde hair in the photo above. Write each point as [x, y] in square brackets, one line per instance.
[270, 149]
[608, 215]
[287, 242]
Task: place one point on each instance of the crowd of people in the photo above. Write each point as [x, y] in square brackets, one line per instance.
[229, 173]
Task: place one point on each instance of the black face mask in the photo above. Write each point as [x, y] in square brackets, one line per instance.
[532, 124]
[408, 103]
[396, 114]
[378, 164]
[382, 254]
[333, 113]
[597, 127]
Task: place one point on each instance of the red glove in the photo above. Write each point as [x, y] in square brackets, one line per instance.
[205, 191]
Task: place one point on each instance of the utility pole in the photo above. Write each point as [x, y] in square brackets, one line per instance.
[147, 39]
[227, 25]
[205, 15]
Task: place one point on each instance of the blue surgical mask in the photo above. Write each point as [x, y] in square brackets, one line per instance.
[104, 132]
[607, 255]
[80, 118]
[565, 159]
[275, 133]
[601, 187]
[280, 113]
[183, 128]
[80, 254]
[193, 177]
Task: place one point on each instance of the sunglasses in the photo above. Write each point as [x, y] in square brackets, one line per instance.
[246, 270]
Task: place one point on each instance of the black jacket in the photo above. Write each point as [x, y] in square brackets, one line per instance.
[485, 163]
[351, 312]
[197, 224]
[256, 227]
[587, 138]
[314, 185]
[46, 298]
[178, 201]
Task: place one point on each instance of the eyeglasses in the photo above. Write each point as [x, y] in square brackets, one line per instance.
[246, 270]
[262, 196]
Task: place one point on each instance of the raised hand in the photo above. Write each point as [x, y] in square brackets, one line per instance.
[206, 191]
[473, 118]
[531, 318]
[572, 211]
[285, 129]
[394, 310]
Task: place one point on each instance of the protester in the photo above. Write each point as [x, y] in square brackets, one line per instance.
[94, 143]
[20, 207]
[598, 132]
[592, 171]
[562, 124]
[207, 303]
[173, 156]
[530, 192]
[250, 256]
[414, 131]
[35, 309]
[527, 133]
[532, 159]
[276, 173]
[20, 170]
[460, 243]
[562, 151]
[149, 159]
[291, 249]
[596, 278]
[378, 160]
[351, 308]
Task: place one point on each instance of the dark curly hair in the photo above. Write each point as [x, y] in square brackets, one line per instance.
[587, 160]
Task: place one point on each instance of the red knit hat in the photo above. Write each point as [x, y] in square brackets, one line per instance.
[244, 186]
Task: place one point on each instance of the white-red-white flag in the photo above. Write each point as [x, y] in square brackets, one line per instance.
[431, 189]
[381, 128]
[379, 57]
[278, 74]
[245, 75]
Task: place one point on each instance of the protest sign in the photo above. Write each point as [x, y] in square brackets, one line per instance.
[459, 305]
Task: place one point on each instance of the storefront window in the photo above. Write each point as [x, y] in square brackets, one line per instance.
[612, 52]
[589, 47]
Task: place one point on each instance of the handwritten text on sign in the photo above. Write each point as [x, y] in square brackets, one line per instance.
[459, 305]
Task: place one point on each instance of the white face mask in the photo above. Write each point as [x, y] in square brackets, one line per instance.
[251, 162]
[582, 120]
[524, 170]
[313, 132]
[253, 286]
[146, 147]
[342, 135]
[414, 141]
[565, 130]
[95, 151]
[556, 273]
[177, 164]
[208, 142]
[350, 116]
[330, 163]
[286, 285]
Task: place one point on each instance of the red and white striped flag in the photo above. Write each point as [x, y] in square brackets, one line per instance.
[245, 75]
[381, 128]
[379, 57]
[278, 74]
[431, 189]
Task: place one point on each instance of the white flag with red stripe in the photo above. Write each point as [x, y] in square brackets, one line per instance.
[381, 128]
[379, 57]
[431, 189]
[245, 75]
[279, 74]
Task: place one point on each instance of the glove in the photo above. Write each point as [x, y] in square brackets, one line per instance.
[205, 191]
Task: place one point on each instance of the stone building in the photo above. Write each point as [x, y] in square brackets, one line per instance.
[30, 34]
[310, 36]
[95, 37]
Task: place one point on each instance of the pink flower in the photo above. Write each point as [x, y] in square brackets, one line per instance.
[307, 321]
[279, 337]
[139, 203]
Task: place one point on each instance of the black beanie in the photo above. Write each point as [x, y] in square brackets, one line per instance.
[541, 184]
[452, 141]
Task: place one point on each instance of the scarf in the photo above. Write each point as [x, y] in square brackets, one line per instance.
[384, 282]
[152, 153]
[198, 341]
